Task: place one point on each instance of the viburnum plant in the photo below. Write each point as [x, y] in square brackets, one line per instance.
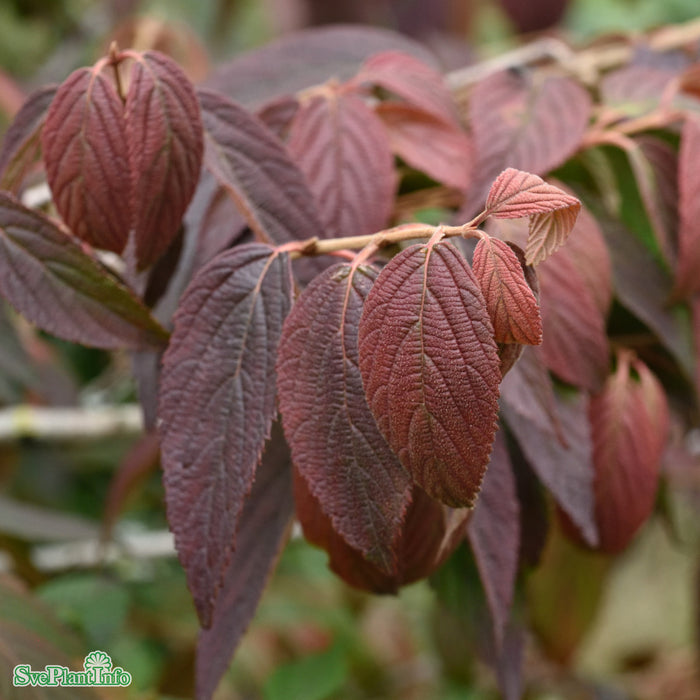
[427, 377]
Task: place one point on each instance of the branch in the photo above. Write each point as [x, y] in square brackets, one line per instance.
[85, 423]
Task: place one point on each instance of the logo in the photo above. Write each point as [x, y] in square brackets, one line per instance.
[97, 671]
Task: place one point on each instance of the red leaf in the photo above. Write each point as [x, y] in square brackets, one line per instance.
[48, 277]
[516, 194]
[341, 147]
[430, 534]
[439, 149]
[306, 58]
[335, 442]
[164, 136]
[217, 401]
[430, 369]
[262, 530]
[629, 425]
[525, 125]
[687, 279]
[566, 470]
[511, 303]
[494, 536]
[254, 168]
[84, 141]
[575, 344]
[20, 146]
[418, 84]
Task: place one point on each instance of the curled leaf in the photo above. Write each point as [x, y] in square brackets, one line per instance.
[515, 194]
[430, 368]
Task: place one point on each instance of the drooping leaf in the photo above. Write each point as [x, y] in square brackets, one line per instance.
[47, 276]
[494, 535]
[430, 533]
[341, 147]
[429, 144]
[516, 194]
[524, 124]
[254, 168]
[217, 401]
[687, 282]
[575, 345]
[262, 529]
[644, 287]
[20, 145]
[85, 154]
[566, 470]
[511, 304]
[164, 136]
[430, 369]
[629, 426]
[306, 58]
[419, 84]
[335, 442]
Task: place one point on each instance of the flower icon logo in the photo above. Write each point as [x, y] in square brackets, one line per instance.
[98, 659]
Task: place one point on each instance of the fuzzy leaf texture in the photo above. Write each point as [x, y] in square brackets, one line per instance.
[418, 84]
[511, 303]
[84, 143]
[515, 194]
[629, 425]
[48, 277]
[164, 137]
[439, 149]
[20, 145]
[524, 124]
[335, 442]
[262, 530]
[341, 147]
[430, 368]
[252, 165]
[217, 401]
[430, 534]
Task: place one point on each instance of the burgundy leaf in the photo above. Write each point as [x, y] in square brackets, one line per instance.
[254, 168]
[419, 84]
[336, 445]
[516, 194]
[278, 114]
[508, 355]
[306, 58]
[217, 401]
[575, 345]
[341, 147]
[438, 148]
[430, 534]
[629, 425]
[262, 530]
[494, 535]
[525, 125]
[48, 277]
[20, 146]
[566, 470]
[86, 156]
[529, 391]
[430, 369]
[164, 135]
[511, 303]
[687, 279]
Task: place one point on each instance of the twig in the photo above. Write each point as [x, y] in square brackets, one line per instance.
[85, 423]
